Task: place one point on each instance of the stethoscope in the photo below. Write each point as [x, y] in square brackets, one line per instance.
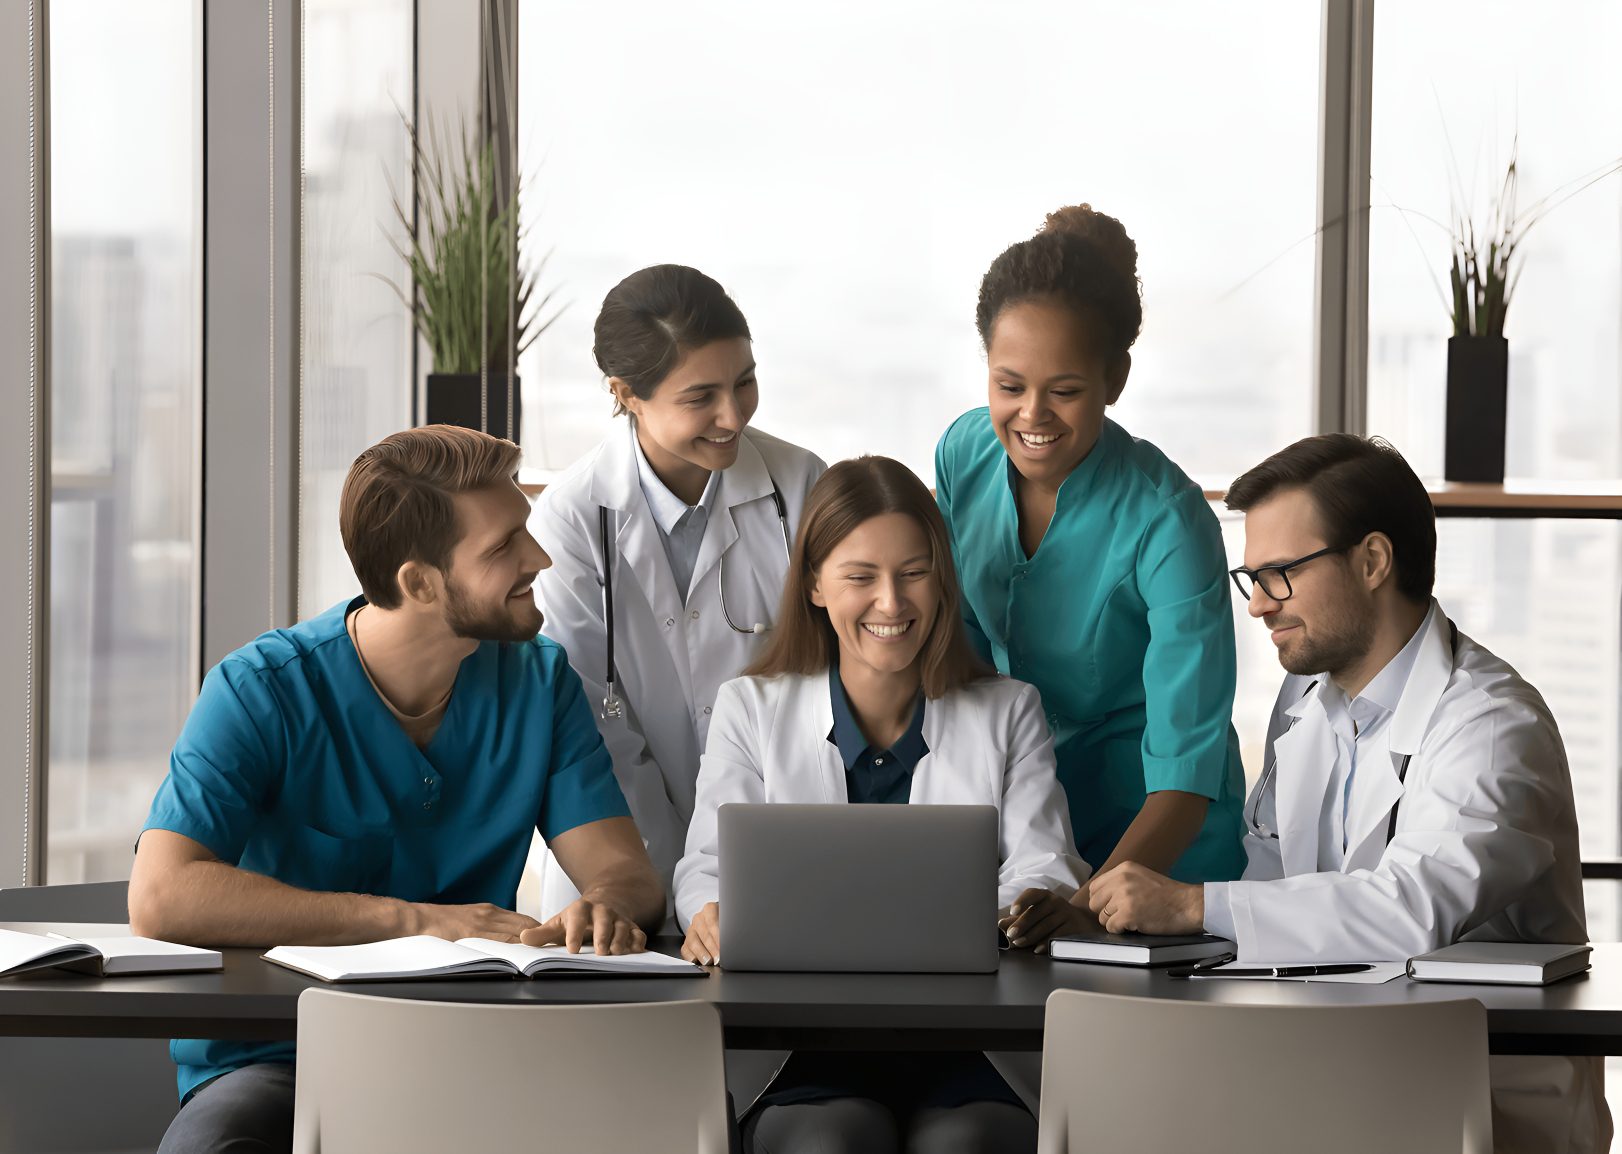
[613, 703]
[1262, 829]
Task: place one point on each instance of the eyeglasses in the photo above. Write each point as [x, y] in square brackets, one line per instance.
[1275, 579]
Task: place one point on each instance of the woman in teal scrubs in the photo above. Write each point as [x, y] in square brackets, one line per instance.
[1091, 565]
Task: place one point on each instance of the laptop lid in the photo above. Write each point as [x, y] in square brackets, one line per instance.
[877, 888]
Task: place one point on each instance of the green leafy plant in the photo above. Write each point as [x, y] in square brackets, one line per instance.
[1486, 266]
[474, 302]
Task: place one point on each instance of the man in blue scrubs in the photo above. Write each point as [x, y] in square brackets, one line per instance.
[376, 771]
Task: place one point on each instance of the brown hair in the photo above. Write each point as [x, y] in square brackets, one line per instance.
[1359, 486]
[396, 504]
[848, 494]
[655, 315]
[1081, 258]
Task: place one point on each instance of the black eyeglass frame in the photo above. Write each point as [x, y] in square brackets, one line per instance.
[1254, 576]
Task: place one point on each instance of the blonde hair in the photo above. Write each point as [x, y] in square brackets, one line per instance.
[396, 504]
[849, 494]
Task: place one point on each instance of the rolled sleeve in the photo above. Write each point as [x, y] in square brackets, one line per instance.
[1189, 664]
[580, 784]
[225, 764]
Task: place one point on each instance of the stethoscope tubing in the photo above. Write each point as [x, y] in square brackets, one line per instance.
[613, 704]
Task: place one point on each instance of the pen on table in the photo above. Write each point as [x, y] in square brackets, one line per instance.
[1312, 971]
[1201, 966]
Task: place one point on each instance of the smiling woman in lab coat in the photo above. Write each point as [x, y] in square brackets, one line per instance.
[870, 692]
[669, 541]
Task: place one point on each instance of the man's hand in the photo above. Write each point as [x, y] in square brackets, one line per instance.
[477, 921]
[1132, 897]
[1038, 915]
[588, 923]
[703, 944]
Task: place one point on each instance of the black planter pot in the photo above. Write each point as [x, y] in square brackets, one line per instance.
[454, 399]
[1477, 404]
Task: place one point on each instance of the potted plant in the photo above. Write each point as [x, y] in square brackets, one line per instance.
[1477, 352]
[473, 297]
[1485, 270]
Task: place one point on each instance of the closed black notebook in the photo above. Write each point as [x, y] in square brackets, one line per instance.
[1137, 949]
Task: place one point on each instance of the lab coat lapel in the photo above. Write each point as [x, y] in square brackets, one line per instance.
[1427, 681]
[809, 701]
[1303, 758]
[637, 548]
[1374, 798]
[747, 480]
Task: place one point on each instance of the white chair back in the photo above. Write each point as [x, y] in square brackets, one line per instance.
[407, 1076]
[1150, 1074]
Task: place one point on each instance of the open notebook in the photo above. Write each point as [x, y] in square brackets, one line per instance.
[103, 956]
[407, 959]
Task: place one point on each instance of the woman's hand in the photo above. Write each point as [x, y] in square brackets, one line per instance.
[1038, 915]
[703, 942]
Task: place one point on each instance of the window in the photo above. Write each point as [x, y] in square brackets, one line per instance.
[1451, 97]
[848, 171]
[124, 153]
[356, 347]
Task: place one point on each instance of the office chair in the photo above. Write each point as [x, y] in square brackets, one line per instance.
[403, 1075]
[1130, 1074]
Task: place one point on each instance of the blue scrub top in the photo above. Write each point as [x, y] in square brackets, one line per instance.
[1121, 619]
[291, 766]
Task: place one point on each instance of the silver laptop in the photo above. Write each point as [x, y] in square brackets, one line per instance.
[893, 888]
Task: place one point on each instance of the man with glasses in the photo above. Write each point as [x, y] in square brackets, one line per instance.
[1414, 791]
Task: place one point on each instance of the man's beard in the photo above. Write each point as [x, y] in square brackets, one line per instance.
[1343, 640]
[501, 622]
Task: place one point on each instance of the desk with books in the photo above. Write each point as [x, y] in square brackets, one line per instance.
[251, 998]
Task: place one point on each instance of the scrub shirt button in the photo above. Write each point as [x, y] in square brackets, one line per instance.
[694, 615]
[427, 805]
[669, 621]
[706, 711]
[878, 761]
[428, 781]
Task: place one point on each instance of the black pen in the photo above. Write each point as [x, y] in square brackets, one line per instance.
[1305, 971]
[1277, 971]
[1201, 966]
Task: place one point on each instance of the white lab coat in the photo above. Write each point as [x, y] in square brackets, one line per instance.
[671, 654]
[1485, 849]
[988, 745]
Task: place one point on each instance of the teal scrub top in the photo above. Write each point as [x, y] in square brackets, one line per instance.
[291, 766]
[1121, 619]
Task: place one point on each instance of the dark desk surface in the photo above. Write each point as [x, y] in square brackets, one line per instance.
[1003, 1011]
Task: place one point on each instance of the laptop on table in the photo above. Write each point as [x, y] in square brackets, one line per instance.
[859, 888]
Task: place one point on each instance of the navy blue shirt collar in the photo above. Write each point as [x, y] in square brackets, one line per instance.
[847, 735]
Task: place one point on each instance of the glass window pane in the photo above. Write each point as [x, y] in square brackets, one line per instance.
[1451, 97]
[356, 339]
[124, 154]
[851, 189]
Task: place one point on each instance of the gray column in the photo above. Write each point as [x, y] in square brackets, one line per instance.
[1345, 107]
[25, 231]
[252, 191]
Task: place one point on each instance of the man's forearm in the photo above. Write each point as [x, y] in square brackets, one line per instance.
[633, 890]
[210, 903]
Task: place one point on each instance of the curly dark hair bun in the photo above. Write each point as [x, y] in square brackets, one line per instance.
[1080, 257]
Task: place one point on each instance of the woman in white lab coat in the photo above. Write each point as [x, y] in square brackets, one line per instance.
[869, 691]
[669, 541]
